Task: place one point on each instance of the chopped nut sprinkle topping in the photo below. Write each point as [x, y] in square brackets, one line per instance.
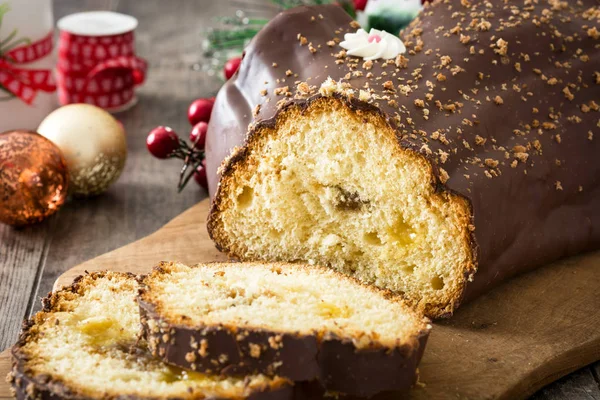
[501, 47]
[558, 185]
[491, 163]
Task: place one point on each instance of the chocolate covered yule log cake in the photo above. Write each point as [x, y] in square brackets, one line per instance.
[435, 167]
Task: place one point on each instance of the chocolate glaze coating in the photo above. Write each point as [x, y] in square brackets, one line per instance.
[296, 355]
[511, 124]
[334, 362]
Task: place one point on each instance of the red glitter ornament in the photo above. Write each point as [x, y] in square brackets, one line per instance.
[33, 178]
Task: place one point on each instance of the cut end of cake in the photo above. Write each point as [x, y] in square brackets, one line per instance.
[85, 344]
[280, 298]
[302, 322]
[328, 182]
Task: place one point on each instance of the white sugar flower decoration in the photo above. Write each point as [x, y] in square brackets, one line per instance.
[373, 45]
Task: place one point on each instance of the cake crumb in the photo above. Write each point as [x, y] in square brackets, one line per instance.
[443, 156]
[491, 162]
[275, 342]
[558, 185]
[502, 47]
[303, 88]
[328, 87]
[518, 67]
[363, 95]
[444, 175]
[190, 357]
[484, 25]
[401, 61]
[446, 60]
[254, 350]
[280, 91]
[568, 93]
[388, 85]
[498, 100]
[203, 348]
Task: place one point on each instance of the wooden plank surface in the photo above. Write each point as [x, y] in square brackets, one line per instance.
[144, 199]
[505, 345]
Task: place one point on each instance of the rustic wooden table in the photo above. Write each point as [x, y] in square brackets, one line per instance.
[145, 198]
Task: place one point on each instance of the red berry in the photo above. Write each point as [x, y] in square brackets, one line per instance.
[198, 135]
[200, 111]
[231, 67]
[200, 176]
[360, 5]
[138, 77]
[162, 141]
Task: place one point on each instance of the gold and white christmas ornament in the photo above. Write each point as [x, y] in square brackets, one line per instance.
[93, 144]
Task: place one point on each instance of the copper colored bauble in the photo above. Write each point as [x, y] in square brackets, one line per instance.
[93, 143]
[33, 178]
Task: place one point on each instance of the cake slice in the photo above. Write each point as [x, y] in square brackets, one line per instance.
[297, 321]
[84, 345]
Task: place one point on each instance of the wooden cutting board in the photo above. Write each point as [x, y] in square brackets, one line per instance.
[505, 345]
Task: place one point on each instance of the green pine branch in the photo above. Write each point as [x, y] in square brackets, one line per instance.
[4, 8]
[237, 31]
[8, 44]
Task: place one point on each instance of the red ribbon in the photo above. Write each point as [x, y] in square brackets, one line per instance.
[98, 70]
[25, 83]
